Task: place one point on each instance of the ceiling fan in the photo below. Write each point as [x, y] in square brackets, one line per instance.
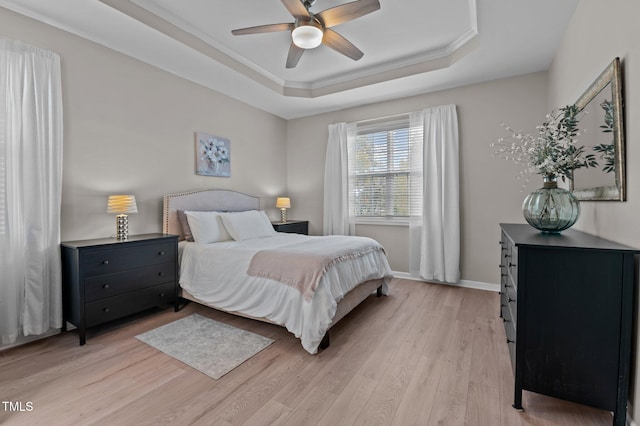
[312, 29]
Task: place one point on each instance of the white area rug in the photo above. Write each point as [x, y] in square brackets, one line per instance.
[208, 346]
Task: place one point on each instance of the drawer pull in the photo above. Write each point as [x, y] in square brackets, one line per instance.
[507, 256]
[106, 310]
[160, 274]
[105, 286]
[161, 294]
[511, 265]
[507, 285]
[105, 262]
[161, 253]
[510, 300]
[510, 341]
[505, 320]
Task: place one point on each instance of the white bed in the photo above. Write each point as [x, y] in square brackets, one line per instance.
[216, 274]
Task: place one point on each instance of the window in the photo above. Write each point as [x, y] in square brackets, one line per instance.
[385, 164]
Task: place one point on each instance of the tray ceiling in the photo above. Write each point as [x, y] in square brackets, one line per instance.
[410, 46]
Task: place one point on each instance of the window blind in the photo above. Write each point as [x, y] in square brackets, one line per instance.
[385, 169]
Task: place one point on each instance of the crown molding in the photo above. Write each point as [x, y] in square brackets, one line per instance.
[158, 18]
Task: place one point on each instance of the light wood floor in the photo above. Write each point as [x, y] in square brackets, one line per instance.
[426, 355]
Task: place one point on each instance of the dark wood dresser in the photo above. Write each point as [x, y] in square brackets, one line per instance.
[567, 302]
[105, 279]
[292, 226]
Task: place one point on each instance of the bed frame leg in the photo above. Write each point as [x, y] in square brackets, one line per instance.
[379, 292]
[324, 344]
[181, 302]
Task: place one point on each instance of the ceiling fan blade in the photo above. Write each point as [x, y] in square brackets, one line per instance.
[295, 53]
[296, 8]
[264, 29]
[341, 44]
[347, 12]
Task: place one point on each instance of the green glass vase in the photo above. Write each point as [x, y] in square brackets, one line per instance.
[551, 209]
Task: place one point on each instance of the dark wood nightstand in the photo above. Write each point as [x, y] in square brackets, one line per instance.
[105, 279]
[292, 226]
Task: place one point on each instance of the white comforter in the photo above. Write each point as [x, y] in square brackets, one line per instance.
[216, 274]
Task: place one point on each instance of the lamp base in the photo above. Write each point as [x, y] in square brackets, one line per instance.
[122, 227]
[283, 215]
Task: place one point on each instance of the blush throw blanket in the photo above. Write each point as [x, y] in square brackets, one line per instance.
[303, 265]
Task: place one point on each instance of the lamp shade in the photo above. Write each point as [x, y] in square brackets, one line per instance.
[283, 203]
[122, 204]
[307, 36]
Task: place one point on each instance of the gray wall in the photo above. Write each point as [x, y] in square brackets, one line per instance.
[129, 128]
[490, 194]
[598, 32]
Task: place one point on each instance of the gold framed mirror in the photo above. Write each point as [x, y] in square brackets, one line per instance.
[602, 134]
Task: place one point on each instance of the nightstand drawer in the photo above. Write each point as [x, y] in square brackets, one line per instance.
[109, 261]
[119, 306]
[110, 285]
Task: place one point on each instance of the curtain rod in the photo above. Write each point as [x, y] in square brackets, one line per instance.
[387, 117]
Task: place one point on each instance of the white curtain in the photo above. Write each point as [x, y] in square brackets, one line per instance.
[336, 218]
[435, 236]
[30, 190]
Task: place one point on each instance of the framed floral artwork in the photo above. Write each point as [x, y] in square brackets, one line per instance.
[213, 155]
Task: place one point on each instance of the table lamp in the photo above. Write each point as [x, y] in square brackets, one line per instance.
[283, 203]
[122, 205]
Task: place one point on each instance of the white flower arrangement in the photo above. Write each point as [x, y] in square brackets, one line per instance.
[214, 152]
[552, 151]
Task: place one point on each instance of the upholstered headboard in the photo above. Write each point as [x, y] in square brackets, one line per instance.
[203, 200]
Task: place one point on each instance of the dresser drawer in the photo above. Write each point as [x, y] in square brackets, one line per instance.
[503, 298]
[510, 332]
[110, 261]
[105, 310]
[512, 353]
[512, 301]
[509, 260]
[103, 286]
[505, 313]
[509, 329]
[512, 265]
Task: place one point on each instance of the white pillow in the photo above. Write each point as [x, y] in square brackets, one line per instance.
[206, 227]
[248, 224]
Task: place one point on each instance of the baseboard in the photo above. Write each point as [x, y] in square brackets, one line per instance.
[22, 340]
[479, 285]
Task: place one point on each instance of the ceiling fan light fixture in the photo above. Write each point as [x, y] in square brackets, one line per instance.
[307, 36]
